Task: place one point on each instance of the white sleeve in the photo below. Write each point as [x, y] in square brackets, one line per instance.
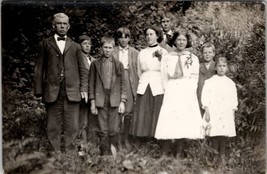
[139, 70]
[164, 72]
[234, 101]
[195, 67]
[205, 97]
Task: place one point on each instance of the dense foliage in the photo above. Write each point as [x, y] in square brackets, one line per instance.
[236, 28]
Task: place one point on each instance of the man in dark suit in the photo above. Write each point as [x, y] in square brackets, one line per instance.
[167, 22]
[61, 80]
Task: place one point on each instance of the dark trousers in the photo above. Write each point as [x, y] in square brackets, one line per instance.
[219, 144]
[108, 124]
[83, 120]
[129, 107]
[62, 115]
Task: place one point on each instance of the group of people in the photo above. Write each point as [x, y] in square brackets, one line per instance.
[161, 92]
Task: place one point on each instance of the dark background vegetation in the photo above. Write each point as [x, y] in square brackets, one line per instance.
[236, 28]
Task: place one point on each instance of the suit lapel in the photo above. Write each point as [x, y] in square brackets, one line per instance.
[116, 53]
[98, 67]
[52, 42]
[114, 73]
[203, 68]
[130, 60]
[68, 44]
[212, 66]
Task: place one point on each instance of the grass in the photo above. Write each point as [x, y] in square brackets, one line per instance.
[242, 157]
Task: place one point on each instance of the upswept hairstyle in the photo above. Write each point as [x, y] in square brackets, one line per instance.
[157, 31]
[178, 33]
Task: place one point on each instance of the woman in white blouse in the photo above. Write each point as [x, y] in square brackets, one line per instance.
[150, 87]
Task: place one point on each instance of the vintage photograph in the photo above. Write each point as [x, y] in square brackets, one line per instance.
[133, 87]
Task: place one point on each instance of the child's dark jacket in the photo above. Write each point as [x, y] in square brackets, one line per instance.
[96, 87]
[204, 74]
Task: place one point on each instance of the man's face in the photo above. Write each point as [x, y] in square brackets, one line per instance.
[108, 49]
[166, 24]
[123, 41]
[86, 46]
[61, 26]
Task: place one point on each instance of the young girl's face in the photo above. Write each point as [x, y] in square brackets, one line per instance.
[208, 54]
[151, 37]
[181, 42]
[221, 68]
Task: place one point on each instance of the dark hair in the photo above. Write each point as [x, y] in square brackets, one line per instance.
[157, 31]
[178, 33]
[121, 31]
[83, 38]
[167, 15]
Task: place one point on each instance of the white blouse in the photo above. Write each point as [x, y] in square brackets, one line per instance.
[149, 70]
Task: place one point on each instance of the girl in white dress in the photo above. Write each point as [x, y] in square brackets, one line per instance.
[219, 99]
[180, 116]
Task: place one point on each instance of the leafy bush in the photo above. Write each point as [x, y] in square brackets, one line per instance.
[23, 115]
[236, 28]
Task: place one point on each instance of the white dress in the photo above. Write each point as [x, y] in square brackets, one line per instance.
[220, 96]
[180, 114]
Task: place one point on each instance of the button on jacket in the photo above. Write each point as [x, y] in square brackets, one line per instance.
[49, 64]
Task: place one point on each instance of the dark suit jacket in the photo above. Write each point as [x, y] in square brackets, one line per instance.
[86, 62]
[204, 74]
[48, 67]
[132, 54]
[96, 87]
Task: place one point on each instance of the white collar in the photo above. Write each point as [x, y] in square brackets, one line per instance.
[56, 36]
[126, 48]
[170, 32]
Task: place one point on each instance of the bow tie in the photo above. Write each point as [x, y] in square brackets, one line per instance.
[61, 38]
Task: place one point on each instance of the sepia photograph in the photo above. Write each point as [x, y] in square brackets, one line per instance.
[133, 87]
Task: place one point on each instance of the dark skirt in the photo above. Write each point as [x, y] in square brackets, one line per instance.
[146, 115]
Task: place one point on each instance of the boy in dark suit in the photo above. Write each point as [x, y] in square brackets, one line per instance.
[107, 94]
[85, 116]
[128, 56]
[61, 80]
[206, 69]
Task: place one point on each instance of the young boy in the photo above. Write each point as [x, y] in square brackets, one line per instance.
[128, 56]
[107, 94]
[206, 69]
[167, 22]
[85, 43]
